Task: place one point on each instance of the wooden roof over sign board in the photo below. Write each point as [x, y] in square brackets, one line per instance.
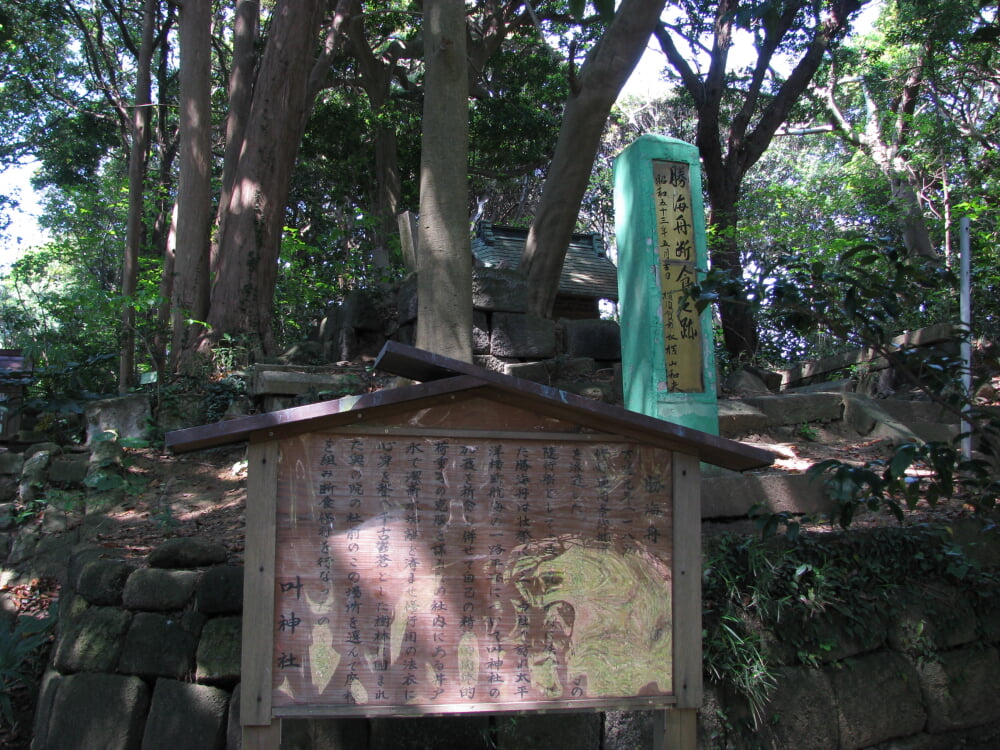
[443, 379]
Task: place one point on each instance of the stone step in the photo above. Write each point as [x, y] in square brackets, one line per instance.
[726, 495]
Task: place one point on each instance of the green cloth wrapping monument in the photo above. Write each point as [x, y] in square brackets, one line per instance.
[668, 362]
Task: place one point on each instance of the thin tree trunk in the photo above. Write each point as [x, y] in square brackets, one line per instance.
[134, 229]
[601, 78]
[166, 293]
[389, 189]
[194, 191]
[444, 261]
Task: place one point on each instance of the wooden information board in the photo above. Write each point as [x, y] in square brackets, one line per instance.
[675, 231]
[452, 574]
[474, 543]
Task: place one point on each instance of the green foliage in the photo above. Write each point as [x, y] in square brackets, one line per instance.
[892, 485]
[859, 295]
[219, 394]
[736, 579]
[20, 658]
[777, 602]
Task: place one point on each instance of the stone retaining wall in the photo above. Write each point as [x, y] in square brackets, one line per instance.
[147, 655]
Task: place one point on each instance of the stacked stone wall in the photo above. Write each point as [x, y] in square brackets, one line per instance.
[148, 652]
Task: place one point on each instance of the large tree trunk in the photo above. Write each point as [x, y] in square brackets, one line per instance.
[739, 328]
[250, 236]
[194, 190]
[444, 261]
[601, 78]
[136, 193]
[246, 26]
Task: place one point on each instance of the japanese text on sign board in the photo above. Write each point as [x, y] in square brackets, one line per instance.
[677, 258]
[460, 572]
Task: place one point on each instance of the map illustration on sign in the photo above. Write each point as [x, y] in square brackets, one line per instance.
[470, 574]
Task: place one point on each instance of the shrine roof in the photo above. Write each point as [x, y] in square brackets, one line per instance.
[444, 378]
[586, 272]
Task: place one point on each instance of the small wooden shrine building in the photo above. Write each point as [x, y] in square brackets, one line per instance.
[588, 275]
[472, 543]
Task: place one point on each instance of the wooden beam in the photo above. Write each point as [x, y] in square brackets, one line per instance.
[257, 659]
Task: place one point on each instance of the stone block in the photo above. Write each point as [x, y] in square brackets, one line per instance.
[11, 463]
[867, 417]
[865, 688]
[359, 311]
[182, 715]
[91, 641]
[737, 418]
[932, 617]
[471, 732]
[53, 551]
[960, 688]
[480, 333]
[627, 730]
[602, 392]
[798, 408]
[69, 469]
[220, 591]
[36, 466]
[406, 334]
[731, 495]
[102, 581]
[334, 734]
[296, 382]
[488, 362]
[979, 539]
[8, 514]
[9, 487]
[743, 383]
[181, 411]
[23, 547]
[218, 656]
[499, 290]
[594, 338]
[799, 712]
[406, 300]
[157, 646]
[537, 372]
[574, 368]
[544, 731]
[53, 449]
[105, 454]
[187, 552]
[521, 335]
[98, 711]
[830, 636]
[43, 708]
[157, 590]
[126, 416]
[234, 729]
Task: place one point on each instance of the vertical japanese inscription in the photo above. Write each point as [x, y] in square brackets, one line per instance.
[451, 572]
[677, 259]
